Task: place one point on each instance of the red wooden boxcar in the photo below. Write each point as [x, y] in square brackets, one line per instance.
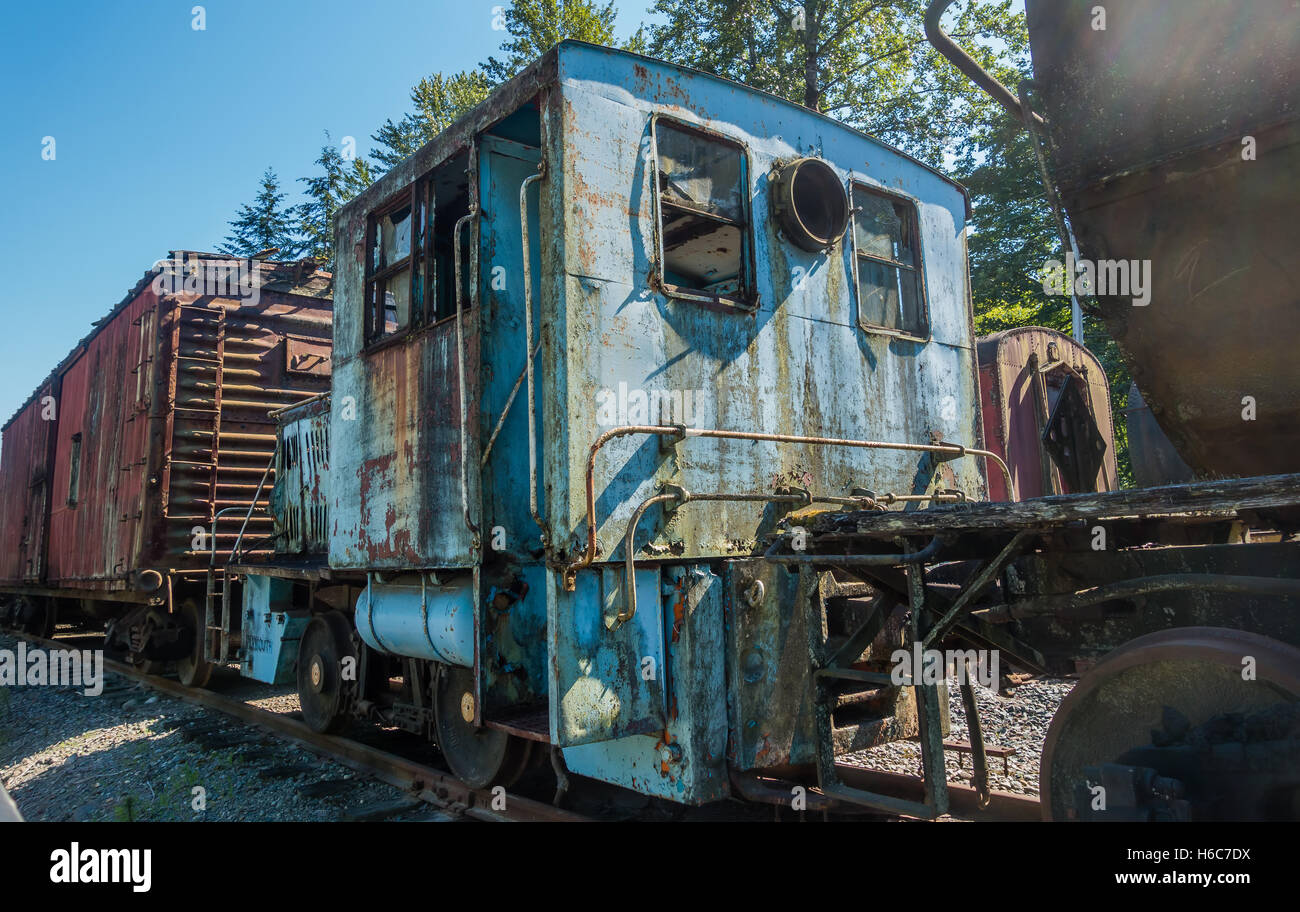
[1023, 374]
[114, 471]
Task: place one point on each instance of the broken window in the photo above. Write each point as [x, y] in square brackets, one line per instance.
[410, 266]
[450, 182]
[703, 221]
[74, 471]
[388, 264]
[891, 295]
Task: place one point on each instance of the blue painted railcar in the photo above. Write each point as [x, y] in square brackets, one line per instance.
[739, 312]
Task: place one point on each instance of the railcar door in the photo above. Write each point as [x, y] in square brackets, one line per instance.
[503, 166]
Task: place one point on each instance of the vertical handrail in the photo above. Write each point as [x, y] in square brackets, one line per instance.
[234, 551]
[460, 369]
[528, 346]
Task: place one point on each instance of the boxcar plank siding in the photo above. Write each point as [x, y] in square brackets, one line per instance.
[163, 387]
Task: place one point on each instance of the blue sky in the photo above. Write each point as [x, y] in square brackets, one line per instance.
[162, 131]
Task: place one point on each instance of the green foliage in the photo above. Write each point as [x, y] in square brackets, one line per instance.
[264, 224]
[438, 101]
[536, 26]
[865, 62]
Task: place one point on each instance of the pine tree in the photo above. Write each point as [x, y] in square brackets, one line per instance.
[438, 101]
[326, 192]
[264, 224]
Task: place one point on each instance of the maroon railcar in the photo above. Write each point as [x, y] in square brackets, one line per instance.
[1045, 403]
[154, 428]
[25, 460]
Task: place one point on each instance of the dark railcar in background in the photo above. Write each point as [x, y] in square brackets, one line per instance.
[155, 427]
[1175, 139]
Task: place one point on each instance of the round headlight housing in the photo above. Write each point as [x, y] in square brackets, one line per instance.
[810, 203]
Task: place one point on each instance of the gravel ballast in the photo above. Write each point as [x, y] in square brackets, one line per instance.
[130, 754]
[1018, 721]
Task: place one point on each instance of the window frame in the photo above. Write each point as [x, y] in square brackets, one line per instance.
[923, 297]
[420, 279]
[747, 300]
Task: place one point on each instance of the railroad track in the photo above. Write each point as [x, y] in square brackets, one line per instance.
[429, 784]
[443, 791]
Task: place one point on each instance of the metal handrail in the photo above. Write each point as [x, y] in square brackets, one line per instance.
[252, 506]
[952, 450]
[805, 498]
[460, 369]
[528, 347]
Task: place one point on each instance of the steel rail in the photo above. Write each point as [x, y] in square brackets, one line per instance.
[442, 790]
[950, 450]
[429, 784]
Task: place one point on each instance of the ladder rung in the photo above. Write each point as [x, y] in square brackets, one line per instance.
[855, 674]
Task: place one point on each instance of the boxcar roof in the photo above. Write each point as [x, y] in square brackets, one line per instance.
[315, 285]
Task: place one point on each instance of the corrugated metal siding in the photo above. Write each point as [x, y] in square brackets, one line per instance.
[300, 499]
[253, 346]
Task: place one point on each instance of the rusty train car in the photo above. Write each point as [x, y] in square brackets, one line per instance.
[655, 446]
[1045, 404]
[656, 449]
[130, 469]
[593, 345]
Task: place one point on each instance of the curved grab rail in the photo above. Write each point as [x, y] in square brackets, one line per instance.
[952, 450]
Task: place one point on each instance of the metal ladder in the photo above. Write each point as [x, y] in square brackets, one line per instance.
[216, 600]
[825, 669]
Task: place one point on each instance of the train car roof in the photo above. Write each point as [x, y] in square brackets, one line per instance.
[316, 284]
[544, 71]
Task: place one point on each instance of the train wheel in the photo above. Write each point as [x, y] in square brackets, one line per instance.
[1193, 723]
[322, 689]
[479, 757]
[193, 670]
[34, 616]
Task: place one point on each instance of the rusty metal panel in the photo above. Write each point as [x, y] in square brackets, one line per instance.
[300, 497]
[1147, 119]
[100, 465]
[798, 363]
[232, 362]
[24, 487]
[1021, 374]
[395, 438]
